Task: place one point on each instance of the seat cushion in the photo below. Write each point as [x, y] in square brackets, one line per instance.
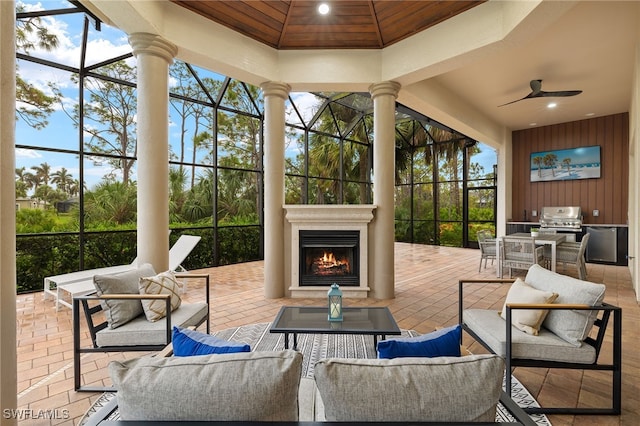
[491, 329]
[252, 386]
[571, 325]
[527, 320]
[142, 332]
[444, 342]
[120, 312]
[463, 389]
[192, 342]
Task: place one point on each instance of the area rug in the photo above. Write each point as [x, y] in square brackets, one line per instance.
[314, 347]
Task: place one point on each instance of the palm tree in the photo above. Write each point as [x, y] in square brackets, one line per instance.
[43, 173]
[62, 179]
[111, 202]
[550, 160]
[538, 161]
[567, 162]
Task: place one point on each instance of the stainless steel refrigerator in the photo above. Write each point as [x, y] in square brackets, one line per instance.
[603, 244]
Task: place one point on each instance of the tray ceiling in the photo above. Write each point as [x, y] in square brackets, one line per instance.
[296, 24]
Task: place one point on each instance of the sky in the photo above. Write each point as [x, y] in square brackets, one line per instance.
[107, 43]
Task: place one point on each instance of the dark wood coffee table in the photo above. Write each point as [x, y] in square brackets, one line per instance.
[374, 321]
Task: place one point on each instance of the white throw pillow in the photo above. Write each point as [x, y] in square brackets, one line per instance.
[163, 283]
[527, 320]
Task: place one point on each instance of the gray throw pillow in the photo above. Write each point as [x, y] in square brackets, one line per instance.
[573, 326]
[250, 386]
[120, 312]
[442, 389]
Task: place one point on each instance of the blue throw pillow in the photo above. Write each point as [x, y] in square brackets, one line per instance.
[444, 342]
[190, 342]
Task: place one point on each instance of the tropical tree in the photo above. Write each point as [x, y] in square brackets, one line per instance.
[538, 161]
[21, 184]
[33, 105]
[177, 195]
[567, 163]
[109, 116]
[550, 161]
[62, 179]
[42, 174]
[110, 203]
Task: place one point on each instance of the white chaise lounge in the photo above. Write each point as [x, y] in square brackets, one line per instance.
[81, 282]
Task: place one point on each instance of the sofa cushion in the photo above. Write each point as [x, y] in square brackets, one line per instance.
[163, 283]
[119, 312]
[527, 320]
[444, 342]
[571, 325]
[462, 389]
[192, 342]
[251, 386]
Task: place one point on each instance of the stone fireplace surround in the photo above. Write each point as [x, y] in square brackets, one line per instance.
[325, 217]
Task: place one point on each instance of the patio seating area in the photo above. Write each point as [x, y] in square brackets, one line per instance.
[426, 297]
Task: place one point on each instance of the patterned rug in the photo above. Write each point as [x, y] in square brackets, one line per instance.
[317, 346]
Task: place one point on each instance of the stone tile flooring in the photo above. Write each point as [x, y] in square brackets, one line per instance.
[425, 297]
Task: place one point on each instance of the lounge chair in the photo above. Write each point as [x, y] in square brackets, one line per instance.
[81, 282]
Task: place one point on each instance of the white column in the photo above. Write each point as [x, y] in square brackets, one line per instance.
[275, 95]
[154, 55]
[383, 234]
[8, 360]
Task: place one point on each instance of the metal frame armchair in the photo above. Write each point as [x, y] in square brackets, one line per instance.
[521, 350]
[141, 335]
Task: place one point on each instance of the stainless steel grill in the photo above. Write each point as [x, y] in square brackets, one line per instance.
[561, 218]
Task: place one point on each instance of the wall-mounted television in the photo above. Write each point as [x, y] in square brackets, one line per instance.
[566, 164]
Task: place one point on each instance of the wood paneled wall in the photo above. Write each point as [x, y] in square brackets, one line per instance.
[607, 194]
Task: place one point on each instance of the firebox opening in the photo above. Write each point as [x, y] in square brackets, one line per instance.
[329, 256]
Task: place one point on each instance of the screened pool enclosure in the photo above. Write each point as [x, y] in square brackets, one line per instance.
[76, 156]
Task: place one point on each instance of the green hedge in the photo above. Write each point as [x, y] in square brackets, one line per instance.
[39, 256]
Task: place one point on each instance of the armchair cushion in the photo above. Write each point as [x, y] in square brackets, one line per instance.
[571, 325]
[258, 386]
[120, 312]
[442, 389]
[444, 342]
[163, 283]
[527, 320]
[192, 342]
[139, 331]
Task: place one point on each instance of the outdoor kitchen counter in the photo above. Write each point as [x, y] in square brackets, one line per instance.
[622, 246]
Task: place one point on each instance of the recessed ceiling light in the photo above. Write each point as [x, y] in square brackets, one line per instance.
[552, 105]
[590, 114]
[533, 124]
[323, 9]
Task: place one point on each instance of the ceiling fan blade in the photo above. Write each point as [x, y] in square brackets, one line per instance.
[537, 92]
[529, 96]
[560, 93]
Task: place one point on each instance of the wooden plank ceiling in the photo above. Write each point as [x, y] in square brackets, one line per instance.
[359, 24]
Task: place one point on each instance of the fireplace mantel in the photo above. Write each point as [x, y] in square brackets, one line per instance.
[326, 217]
